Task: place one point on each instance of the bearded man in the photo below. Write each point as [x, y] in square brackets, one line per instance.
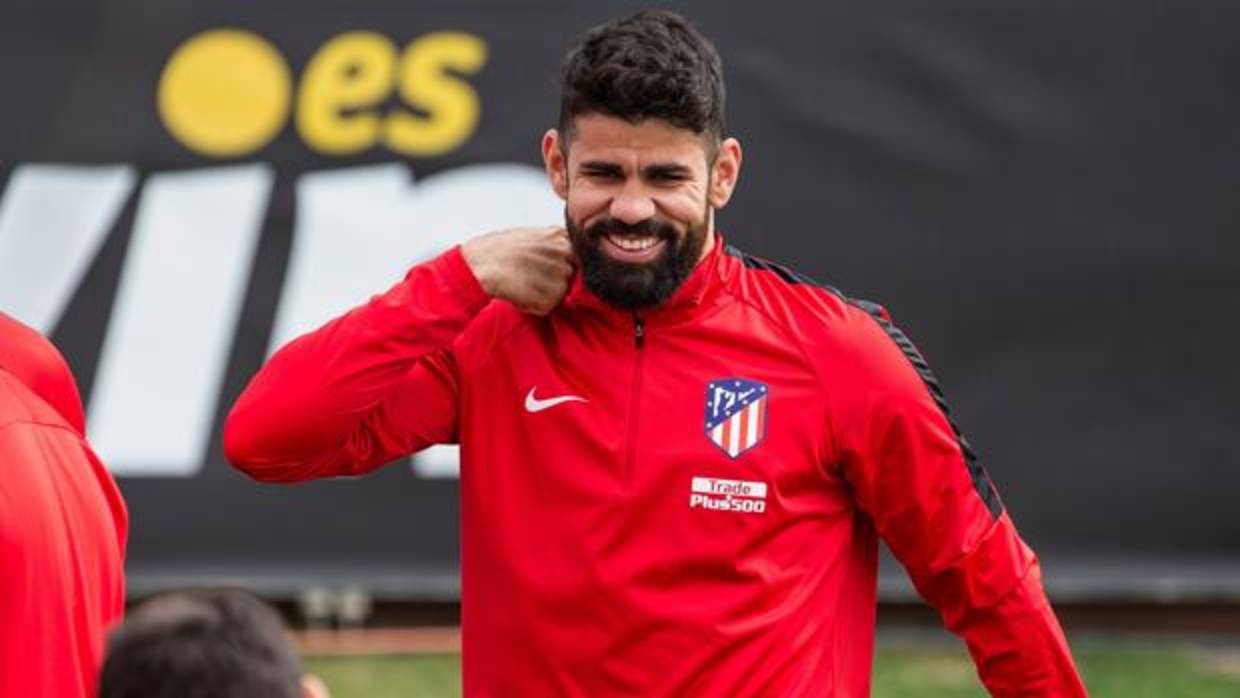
[676, 459]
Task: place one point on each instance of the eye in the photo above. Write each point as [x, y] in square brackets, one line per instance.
[667, 176]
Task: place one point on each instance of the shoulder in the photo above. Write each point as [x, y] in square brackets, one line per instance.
[33, 360]
[17, 402]
[815, 312]
[23, 413]
[854, 341]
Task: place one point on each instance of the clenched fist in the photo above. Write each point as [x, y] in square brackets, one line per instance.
[528, 267]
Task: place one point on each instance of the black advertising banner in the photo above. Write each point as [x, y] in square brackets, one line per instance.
[1040, 193]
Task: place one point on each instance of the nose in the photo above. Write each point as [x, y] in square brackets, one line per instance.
[632, 206]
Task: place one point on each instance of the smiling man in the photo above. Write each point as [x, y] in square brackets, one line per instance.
[676, 459]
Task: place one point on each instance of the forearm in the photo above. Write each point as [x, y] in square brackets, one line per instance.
[994, 600]
[316, 408]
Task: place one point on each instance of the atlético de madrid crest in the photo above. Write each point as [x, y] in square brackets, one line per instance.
[735, 414]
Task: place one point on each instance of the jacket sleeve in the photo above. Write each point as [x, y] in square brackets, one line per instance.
[936, 508]
[376, 383]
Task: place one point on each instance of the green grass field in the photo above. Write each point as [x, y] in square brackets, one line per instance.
[902, 670]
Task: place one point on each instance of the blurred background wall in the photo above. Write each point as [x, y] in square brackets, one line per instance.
[1042, 194]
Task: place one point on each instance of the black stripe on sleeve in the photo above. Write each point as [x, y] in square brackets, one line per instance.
[977, 473]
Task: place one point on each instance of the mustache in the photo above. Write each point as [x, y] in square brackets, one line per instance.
[648, 227]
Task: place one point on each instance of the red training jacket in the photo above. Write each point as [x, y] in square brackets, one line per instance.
[36, 362]
[63, 527]
[685, 502]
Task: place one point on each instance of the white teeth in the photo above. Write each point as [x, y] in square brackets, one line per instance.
[633, 244]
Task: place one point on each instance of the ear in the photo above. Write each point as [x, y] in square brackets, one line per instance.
[555, 162]
[724, 173]
[313, 687]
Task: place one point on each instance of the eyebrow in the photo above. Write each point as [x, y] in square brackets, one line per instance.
[666, 169]
[602, 167]
[661, 169]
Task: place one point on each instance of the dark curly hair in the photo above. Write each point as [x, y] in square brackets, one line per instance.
[221, 643]
[652, 65]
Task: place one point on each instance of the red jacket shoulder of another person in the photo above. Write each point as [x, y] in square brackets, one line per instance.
[34, 361]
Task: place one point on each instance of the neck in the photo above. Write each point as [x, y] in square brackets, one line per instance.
[709, 243]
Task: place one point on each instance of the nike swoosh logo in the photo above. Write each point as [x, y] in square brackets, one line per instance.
[533, 404]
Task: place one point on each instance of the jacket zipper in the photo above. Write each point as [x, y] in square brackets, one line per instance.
[639, 343]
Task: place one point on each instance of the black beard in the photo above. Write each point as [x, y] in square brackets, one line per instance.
[636, 286]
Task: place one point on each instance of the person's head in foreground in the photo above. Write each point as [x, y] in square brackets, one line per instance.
[204, 644]
[640, 156]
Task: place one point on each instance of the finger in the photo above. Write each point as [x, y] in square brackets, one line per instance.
[544, 235]
[540, 308]
[568, 253]
[563, 269]
[557, 241]
[548, 267]
[548, 290]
